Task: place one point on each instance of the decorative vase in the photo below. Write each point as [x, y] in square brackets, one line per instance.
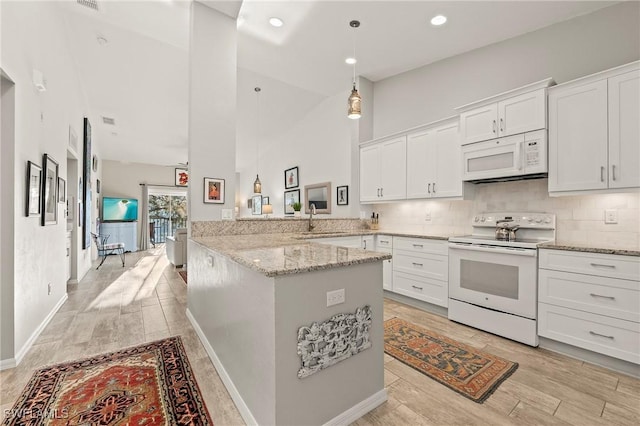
[296, 213]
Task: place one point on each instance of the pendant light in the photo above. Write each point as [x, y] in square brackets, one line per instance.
[354, 98]
[257, 185]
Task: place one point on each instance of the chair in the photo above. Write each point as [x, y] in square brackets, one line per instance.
[105, 249]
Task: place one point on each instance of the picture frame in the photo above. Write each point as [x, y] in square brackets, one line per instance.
[342, 195]
[265, 200]
[290, 197]
[49, 190]
[291, 178]
[256, 204]
[62, 190]
[182, 177]
[98, 186]
[34, 176]
[213, 192]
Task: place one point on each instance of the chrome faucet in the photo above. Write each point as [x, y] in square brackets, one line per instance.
[312, 211]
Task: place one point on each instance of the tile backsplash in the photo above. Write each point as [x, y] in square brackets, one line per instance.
[580, 218]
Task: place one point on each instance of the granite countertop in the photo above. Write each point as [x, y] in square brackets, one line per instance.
[282, 254]
[558, 245]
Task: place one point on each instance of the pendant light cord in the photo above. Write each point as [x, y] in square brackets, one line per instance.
[355, 25]
[257, 89]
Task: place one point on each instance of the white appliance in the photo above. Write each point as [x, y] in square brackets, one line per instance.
[522, 156]
[493, 284]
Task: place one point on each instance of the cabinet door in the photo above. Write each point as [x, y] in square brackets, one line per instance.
[624, 130]
[447, 162]
[393, 169]
[522, 113]
[479, 124]
[420, 164]
[578, 137]
[370, 173]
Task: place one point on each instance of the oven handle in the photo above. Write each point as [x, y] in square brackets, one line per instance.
[495, 249]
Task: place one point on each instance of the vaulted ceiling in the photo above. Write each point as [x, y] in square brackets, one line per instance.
[132, 57]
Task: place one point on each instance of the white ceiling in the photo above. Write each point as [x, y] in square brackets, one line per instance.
[140, 77]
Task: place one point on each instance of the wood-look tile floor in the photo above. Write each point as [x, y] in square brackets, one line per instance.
[117, 307]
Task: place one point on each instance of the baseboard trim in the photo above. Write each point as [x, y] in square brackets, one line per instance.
[6, 364]
[25, 348]
[424, 306]
[359, 410]
[244, 410]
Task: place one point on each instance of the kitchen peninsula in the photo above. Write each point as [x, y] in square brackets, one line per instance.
[257, 301]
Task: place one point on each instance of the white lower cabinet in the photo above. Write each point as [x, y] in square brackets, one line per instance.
[591, 301]
[384, 244]
[421, 269]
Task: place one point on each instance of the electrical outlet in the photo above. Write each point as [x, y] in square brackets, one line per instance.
[49, 289]
[611, 216]
[427, 216]
[335, 297]
[227, 214]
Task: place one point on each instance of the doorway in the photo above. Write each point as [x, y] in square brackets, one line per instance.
[167, 212]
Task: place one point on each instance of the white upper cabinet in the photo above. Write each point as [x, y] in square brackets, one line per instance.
[433, 158]
[383, 166]
[510, 113]
[594, 132]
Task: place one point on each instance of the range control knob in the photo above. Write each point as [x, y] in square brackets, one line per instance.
[538, 220]
[547, 220]
[482, 219]
[475, 219]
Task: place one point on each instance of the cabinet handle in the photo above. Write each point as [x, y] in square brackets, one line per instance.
[417, 264]
[67, 251]
[434, 187]
[378, 192]
[381, 193]
[602, 265]
[384, 242]
[365, 244]
[420, 288]
[602, 174]
[418, 245]
[429, 188]
[501, 125]
[494, 126]
[603, 297]
[613, 172]
[593, 333]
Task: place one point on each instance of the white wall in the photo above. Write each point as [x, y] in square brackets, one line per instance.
[212, 107]
[33, 36]
[564, 51]
[568, 50]
[319, 144]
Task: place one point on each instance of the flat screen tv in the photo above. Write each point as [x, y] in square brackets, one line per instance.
[119, 209]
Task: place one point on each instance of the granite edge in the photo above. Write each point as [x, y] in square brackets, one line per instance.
[587, 249]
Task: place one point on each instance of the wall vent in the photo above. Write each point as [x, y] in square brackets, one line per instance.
[108, 120]
[91, 4]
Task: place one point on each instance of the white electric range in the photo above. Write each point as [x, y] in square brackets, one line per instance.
[493, 284]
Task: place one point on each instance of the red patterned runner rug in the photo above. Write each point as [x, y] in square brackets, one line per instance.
[466, 370]
[150, 384]
[183, 274]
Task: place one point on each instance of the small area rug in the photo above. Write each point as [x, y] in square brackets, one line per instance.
[150, 384]
[183, 274]
[466, 370]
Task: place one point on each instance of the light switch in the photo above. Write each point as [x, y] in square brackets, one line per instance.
[611, 216]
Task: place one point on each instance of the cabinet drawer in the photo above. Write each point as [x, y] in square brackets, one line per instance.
[421, 245]
[602, 265]
[599, 295]
[432, 266]
[426, 289]
[609, 336]
[384, 241]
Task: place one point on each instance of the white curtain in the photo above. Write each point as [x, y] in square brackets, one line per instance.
[144, 219]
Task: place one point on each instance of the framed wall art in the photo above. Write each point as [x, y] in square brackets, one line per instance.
[291, 197]
[342, 195]
[62, 190]
[182, 177]
[256, 204]
[291, 178]
[34, 176]
[213, 190]
[49, 191]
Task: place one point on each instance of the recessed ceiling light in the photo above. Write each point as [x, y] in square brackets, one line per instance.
[276, 22]
[438, 20]
[351, 61]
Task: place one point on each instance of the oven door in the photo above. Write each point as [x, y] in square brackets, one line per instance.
[500, 278]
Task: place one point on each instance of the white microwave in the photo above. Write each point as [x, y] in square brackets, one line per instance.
[522, 156]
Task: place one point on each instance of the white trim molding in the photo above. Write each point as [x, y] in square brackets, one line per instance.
[360, 409]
